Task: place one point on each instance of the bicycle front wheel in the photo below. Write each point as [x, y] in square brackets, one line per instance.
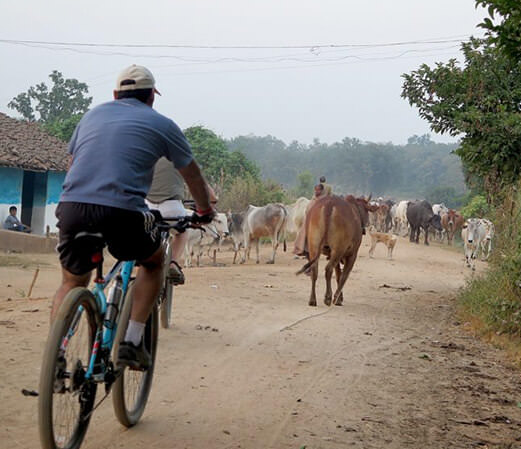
[131, 388]
[167, 290]
[66, 398]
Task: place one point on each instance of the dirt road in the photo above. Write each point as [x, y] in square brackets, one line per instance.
[249, 364]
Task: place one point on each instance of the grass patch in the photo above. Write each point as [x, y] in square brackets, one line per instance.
[494, 300]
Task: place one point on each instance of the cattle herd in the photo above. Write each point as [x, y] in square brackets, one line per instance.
[333, 226]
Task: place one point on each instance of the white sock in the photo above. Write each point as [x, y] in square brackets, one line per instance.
[135, 331]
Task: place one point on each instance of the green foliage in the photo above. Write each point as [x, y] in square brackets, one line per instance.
[63, 129]
[507, 33]
[58, 108]
[477, 207]
[446, 195]
[480, 100]
[246, 190]
[235, 178]
[423, 140]
[305, 184]
[220, 166]
[64, 99]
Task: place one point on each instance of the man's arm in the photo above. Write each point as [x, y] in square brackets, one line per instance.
[197, 185]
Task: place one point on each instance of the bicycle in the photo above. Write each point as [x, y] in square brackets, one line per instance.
[166, 294]
[83, 341]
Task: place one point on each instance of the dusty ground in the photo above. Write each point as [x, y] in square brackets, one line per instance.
[249, 365]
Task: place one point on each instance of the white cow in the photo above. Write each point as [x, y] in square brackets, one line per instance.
[296, 214]
[472, 235]
[486, 243]
[236, 232]
[440, 209]
[201, 239]
[266, 221]
[400, 223]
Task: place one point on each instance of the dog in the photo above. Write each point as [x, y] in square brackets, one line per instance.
[388, 240]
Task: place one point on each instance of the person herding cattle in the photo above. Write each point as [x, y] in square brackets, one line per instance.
[334, 227]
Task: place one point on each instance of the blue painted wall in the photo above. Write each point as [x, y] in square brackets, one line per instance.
[54, 186]
[11, 185]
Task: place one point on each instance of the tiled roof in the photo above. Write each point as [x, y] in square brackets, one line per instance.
[25, 145]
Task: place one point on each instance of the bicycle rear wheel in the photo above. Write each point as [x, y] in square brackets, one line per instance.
[167, 300]
[131, 388]
[66, 398]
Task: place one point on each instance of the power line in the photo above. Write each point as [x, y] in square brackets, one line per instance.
[448, 39]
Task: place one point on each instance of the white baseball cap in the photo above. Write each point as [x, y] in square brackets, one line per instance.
[136, 77]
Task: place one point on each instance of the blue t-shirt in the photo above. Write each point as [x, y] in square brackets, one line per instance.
[114, 148]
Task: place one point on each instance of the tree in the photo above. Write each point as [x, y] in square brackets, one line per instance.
[219, 165]
[64, 99]
[58, 108]
[423, 140]
[63, 129]
[305, 184]
[481, 101]
[507, 33]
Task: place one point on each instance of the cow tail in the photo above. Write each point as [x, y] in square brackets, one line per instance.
[308, 266]
[327, 219]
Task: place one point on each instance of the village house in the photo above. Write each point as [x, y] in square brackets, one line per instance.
[32, 169]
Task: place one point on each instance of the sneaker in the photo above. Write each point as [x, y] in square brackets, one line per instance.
[135, 357]
[175, 273]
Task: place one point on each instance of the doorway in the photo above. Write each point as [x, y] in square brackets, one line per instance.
[34, 194]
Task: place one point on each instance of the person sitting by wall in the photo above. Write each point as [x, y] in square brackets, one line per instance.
[12, 223]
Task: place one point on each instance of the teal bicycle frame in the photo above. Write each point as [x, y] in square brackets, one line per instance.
[106, 334]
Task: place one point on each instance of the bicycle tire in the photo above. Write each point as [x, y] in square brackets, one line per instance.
[129, 416]
[52, 365]
[166, 294]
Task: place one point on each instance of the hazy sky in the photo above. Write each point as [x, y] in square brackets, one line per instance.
[290, 93]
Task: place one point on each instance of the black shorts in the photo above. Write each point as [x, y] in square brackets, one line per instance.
[129, 235]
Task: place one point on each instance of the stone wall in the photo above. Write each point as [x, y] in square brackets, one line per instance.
[26, 243]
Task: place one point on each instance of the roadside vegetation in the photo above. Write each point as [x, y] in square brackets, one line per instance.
[480, 99]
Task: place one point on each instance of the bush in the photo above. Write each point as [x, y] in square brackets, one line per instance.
[476, 208]
[245, 191]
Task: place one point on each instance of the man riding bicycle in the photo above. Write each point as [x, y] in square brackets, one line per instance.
[166, 195]
[114, 149]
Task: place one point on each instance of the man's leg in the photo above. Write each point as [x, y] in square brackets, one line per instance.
[178, 246]
[132, 352]
[69, 281]
[147, 285]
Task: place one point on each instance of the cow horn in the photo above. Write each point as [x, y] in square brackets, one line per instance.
[370, 195]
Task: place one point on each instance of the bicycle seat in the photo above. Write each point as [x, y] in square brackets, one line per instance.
[94, 241]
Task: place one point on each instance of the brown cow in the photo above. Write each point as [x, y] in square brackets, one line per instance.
[381, 217]
[334, 227]
[451, 222]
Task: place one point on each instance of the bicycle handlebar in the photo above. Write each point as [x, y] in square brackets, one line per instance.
[181, 223]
